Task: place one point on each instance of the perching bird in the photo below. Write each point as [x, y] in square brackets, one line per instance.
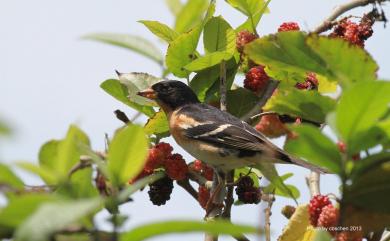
[216, 137]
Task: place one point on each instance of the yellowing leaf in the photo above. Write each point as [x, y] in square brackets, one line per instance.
[298, 228]
[157, 124]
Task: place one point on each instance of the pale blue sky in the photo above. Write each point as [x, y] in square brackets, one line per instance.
[50, 79]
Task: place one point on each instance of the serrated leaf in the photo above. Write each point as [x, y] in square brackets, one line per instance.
[287, 51]
[161, 30]
[207, 61]
[358, 112]
[190, 15]
[120, 92]
[184, 226]
[52, 217]
[309, 105]
[219, 36]
[240, 101]
[127, 153]
[7, 177]
[315, 148]
[157, 124]
[298, 227]
[347, 62]
[131, 42]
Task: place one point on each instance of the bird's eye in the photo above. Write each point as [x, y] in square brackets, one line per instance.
[166, 88]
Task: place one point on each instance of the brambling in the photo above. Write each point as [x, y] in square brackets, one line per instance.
[216, 137]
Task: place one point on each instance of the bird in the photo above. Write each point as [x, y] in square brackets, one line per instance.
[216, 137]
[213, 136]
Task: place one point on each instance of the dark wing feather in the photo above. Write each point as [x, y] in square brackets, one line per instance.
[226, 136]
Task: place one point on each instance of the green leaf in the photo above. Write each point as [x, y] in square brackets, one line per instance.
[219, 36]
[174, 6]
[161, 30]
[80, 185]
[315, 148]
[47, 174]
[287, 51]
[240, 101]
[21, 207]
[371, 190]
[120, 92]
[251, 23]
[131, 42]
[348, 63]
[358, 112]
[52, 217]
[7, 177]
[190, 15]
[370, 162]
[309, 105]
[247, 7]
[207, 61]
[127, 153]
[68, 153]
[269, 171]
[136, 82]
[294, 191]
[183, 226]
[181, 52]
[157, 124]
[57, 157]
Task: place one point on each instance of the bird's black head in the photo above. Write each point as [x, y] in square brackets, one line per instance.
[171, 94]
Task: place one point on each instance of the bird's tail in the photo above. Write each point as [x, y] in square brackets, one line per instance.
[283, 157]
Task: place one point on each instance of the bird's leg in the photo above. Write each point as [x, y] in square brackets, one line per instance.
[218, 192]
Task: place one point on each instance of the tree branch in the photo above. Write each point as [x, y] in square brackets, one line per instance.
[222, 85]
[341, 9]
[229, 200]
[267, 93]
[268, 214]
[185, 184]
[313, 182]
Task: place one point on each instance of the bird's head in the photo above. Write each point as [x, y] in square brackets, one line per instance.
[170, 94]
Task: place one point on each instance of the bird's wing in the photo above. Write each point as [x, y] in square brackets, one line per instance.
[227, 136]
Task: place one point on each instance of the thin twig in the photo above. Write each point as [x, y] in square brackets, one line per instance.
[341, 9]
[85, 161]
[313, 182]
[263, 114]
[186, 185]
[229, 200]
[268, 214]
[198, 178]
[267, 93]
[222, 86]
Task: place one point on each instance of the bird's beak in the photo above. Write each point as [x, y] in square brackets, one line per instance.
[148, 93]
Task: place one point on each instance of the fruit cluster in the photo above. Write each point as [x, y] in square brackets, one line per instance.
[160, 156]
[324, 214]
[355, 33]
[247, 192]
